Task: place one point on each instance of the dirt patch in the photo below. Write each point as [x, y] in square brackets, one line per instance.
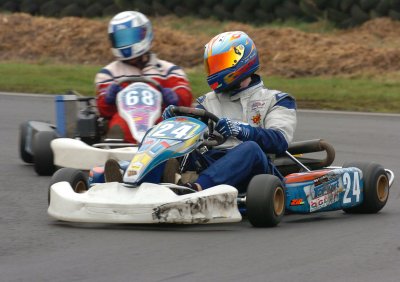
[371, 48]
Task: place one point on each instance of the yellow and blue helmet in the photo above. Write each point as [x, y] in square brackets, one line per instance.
[229, 58]
[130, 34]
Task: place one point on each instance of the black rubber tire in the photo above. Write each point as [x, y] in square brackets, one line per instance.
[265, 201]
[43, 154]
[23, 130]
[376, 187]
[76, 178]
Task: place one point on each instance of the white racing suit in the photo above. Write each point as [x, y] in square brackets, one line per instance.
[272, 115]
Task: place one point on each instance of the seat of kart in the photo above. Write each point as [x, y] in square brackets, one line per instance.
[286, 165]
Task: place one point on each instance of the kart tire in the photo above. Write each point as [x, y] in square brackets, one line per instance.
[265, 201]
[74, 177]
[23, 132]
[43, 154]
[376, 187]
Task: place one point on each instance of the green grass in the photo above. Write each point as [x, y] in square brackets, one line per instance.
[47, 78]
[371, 94]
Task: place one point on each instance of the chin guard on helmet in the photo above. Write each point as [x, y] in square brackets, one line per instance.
[229, 58]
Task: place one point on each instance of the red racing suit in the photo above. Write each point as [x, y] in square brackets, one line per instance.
[165, 73]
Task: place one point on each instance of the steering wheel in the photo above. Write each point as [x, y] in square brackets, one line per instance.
[195, 112]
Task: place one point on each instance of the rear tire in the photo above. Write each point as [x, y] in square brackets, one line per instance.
[265, 201]
[43, 154]
[76, 178]
[23, 133]
[376, 187]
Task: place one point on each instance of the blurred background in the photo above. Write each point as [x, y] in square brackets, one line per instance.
[338, 54]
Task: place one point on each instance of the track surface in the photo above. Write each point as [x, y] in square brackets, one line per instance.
[321, 247]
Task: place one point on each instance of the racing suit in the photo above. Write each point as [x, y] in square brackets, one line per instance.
[165, 73]
[272, 115]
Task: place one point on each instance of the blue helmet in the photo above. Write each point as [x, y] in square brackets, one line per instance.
[130, 34]
[229, 58]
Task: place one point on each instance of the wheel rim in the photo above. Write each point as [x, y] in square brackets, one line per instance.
[382, 188]
[279, 201]
[80, 187]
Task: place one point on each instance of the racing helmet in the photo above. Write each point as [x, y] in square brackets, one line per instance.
[130, 34]
[229, 58]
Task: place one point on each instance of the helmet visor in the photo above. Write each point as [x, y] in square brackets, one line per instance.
[127, 36]
[219, 62]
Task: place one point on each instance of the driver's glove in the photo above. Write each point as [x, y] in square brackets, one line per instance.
[170, 97]
[168, 112]
[111, 93]
[227, 127]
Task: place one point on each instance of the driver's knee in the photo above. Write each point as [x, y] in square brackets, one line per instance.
[249, 147]
[252, 152]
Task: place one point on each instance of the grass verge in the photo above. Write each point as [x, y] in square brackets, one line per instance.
[364, 93]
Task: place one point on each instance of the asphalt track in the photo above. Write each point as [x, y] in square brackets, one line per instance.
[321, 247]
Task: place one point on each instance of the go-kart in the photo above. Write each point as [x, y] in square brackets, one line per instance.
[355, 187]
[80, 140]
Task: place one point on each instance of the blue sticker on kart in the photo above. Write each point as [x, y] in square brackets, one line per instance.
[324, 194]
[172, 138]
[332, 190]
[353, 187]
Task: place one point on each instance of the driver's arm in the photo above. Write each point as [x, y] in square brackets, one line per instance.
[103, 80]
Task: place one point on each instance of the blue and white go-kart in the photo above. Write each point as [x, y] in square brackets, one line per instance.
[354, 188]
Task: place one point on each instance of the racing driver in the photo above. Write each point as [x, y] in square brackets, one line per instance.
[255, 120]
[131, 36]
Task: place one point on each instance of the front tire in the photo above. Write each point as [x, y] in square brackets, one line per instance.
[43, 154]
[23, 134]
[376, 187]
[74, 177]
[265, 201]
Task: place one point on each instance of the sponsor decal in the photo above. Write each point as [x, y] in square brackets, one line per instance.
[296, 202]
[325, 188]
[324, 201]
[148, 141]
[256, 105]
[136, 166]
[256, 119]
[132, 172]
[325, 178]
[164, 144]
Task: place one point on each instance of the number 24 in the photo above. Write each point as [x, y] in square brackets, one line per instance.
[356, 187]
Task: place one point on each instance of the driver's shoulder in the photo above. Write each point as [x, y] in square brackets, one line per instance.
[206, 97]
[117, 69]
